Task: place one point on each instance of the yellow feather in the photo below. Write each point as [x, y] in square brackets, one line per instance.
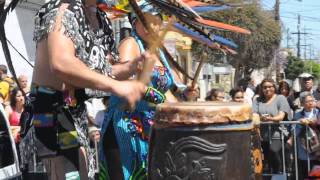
[123, 5]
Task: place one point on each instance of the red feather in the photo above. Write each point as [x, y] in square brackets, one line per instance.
[223, 26]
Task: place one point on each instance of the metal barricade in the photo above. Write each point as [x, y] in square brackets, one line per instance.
[289, 171]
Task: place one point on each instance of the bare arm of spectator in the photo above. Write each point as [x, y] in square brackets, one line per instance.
[283, 108]
[279, 117]
[7, 109]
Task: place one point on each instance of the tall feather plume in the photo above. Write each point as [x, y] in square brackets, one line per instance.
[172, 9]
[185, 13]
[180, 3]
[193, 3]
[194, 29]
[210, 8]
[4, 11]
[190, 23]
[202, 39]
[213, 2]
[199, 2]
[167, 8]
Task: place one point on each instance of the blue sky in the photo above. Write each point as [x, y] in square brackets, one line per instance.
[310, 20]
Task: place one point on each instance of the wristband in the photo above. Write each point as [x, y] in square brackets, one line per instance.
[154, 96]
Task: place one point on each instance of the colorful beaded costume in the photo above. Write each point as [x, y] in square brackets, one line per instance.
[132, 129]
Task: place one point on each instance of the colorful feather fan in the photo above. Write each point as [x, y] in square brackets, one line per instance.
[202, 39]
[188, 21]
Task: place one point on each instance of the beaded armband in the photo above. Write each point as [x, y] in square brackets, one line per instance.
[154, 96]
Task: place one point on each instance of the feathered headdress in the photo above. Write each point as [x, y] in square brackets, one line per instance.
[187, 18]
[188, 21]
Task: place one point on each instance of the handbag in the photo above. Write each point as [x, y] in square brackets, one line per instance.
[310, 139]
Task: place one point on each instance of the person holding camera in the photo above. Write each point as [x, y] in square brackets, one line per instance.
[271, 107]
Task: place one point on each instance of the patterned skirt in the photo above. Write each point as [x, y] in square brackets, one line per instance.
[131, 131]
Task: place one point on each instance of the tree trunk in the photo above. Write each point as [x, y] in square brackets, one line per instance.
[237, 74]
[247, 71]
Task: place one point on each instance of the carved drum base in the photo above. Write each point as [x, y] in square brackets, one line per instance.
[207, 152]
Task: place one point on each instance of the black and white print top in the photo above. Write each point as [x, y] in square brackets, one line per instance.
[92, 46]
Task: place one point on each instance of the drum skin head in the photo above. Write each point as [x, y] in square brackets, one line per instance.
[189, 113]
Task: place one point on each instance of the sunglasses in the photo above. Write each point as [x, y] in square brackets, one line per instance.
[307, 79]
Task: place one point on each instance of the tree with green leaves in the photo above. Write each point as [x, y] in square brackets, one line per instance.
[255, 51]
[294, 67]
[313, 68]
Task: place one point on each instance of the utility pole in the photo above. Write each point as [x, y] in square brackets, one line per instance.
[310, 51]
[276, 58]
[305, 43]
[277, 10]
[299, 36]
[305, 50]
[288, 37]
[298, 45]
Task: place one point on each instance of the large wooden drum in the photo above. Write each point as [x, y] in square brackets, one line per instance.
[204, 141]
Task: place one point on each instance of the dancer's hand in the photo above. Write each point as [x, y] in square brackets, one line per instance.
[191, 93]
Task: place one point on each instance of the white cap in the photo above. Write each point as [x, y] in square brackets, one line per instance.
[305, 75]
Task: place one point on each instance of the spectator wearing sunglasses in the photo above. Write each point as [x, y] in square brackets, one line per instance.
[271, 107]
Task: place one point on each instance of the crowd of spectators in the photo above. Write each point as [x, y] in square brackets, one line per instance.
[277, 101]
[12, 99]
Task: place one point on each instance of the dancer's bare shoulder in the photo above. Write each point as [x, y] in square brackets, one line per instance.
[129, 49]
[47, 55]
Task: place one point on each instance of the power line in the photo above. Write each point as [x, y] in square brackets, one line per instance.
[314, 21]
[306, 18]
[305, 5]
